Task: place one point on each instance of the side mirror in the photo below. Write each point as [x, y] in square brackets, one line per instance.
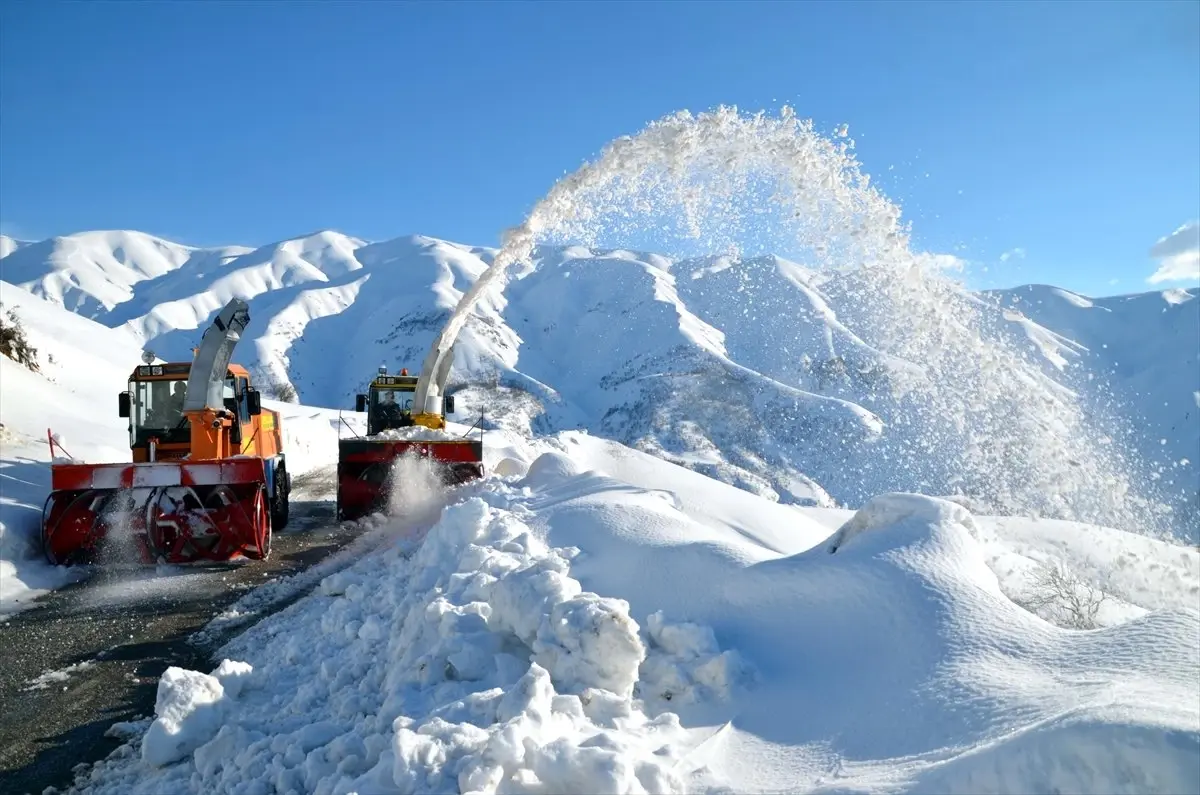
[360, 402]
[123, 409]
[254, 401]
[449, 403]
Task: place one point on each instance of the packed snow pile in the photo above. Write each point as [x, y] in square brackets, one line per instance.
[481, 665]
[614, 623]
[416, 433]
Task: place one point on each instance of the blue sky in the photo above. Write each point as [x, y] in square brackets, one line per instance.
[1069, 131]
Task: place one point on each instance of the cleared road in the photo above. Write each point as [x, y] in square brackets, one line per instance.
[91, 654]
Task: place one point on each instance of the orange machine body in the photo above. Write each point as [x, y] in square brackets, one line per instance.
[209, 484]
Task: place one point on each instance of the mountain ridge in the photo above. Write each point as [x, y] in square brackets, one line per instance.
[755, 371]
[10, 244]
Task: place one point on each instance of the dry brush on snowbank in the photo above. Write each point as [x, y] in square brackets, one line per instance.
[14, 343]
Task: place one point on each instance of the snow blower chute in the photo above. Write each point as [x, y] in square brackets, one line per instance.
[367, 465]
[208, 479]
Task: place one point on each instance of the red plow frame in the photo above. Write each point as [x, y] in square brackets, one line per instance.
[365, 469]
[173, 511]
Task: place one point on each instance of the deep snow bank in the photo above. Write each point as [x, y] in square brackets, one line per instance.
[899, 654]
[583, 629]
[82, 367]
[476, 664]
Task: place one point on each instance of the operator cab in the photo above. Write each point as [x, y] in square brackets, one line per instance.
[154, 405]
[389, 401]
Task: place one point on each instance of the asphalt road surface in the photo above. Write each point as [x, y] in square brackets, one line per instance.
[90, 654]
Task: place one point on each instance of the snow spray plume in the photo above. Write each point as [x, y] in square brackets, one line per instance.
[967, 413]
[415, 492]
[119, 548]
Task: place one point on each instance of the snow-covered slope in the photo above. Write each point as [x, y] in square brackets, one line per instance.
[8, 245]
[82, 368]
[760, 373]
[91, 272]
[1147, 346]
[609, 622]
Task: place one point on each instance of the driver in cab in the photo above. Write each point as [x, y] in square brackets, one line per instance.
[391, 415]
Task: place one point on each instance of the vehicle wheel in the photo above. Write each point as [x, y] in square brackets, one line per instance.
[264, 526]
[259, 518]
[280, 502]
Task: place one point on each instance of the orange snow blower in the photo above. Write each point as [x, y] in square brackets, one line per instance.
[366, 465]
[208, 481]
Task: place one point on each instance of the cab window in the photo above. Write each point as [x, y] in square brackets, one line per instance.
[158, 410]
[243, 385]
[390, 408]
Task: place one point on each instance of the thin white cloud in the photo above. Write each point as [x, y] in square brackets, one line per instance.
[1016, 253]
[1178, 255]
[942, 262]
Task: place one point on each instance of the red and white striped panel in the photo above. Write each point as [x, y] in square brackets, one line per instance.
[75, 477]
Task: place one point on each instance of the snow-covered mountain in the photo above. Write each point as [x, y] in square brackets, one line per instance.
[599, 619]
[1146, 346]
[759, 373]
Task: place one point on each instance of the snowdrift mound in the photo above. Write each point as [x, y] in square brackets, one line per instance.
[885, 659]
[581, 632]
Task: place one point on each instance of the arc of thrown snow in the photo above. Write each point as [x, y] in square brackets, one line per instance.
[516, 246]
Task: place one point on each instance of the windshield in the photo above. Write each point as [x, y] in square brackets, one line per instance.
[158, 409]
[388, 409]
[388, 397]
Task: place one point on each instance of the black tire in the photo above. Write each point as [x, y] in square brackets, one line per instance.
[280, 503]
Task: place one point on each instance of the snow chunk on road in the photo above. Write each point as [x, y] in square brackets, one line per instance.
[190, 710]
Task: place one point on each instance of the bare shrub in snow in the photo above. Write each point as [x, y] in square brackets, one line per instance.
[276, 388]
[1059, 596]
[282, 390]
[15, 345]
[825, 371]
